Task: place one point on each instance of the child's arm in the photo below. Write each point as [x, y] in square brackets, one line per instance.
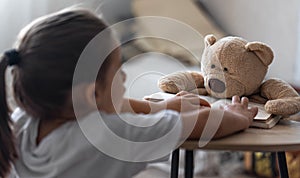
[139, 106]
[182, 102]
[236, 117]
[195, 113]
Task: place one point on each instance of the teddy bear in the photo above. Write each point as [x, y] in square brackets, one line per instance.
[233, 66]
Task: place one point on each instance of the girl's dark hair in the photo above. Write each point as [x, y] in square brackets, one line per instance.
[7, 149]
[49, 49]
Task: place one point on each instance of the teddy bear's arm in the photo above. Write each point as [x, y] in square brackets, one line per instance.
[283, 99]
[182, 81]
[277, 88]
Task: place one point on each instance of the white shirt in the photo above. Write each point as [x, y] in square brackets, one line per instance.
[66, 151]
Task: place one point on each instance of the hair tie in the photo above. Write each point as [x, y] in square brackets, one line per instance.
[12, 56]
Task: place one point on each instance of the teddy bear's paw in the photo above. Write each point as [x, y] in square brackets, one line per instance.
[180, 81]
[284, 106]
[168, 86]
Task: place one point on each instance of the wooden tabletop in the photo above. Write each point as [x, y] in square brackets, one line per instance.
[285, 136]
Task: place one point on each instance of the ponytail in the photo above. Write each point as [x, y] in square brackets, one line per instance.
[7, 148]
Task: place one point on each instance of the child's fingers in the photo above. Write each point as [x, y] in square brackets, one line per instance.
[190, 95]
[196, 100]
[181, 93]
[236, 99]
[204, 103]
[245, 101]
[254, 111]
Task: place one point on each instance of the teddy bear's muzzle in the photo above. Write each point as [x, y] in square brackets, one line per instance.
[216, 85]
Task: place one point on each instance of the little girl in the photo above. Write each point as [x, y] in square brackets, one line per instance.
[46, 140]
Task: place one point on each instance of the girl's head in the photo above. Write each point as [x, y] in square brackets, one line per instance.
[43, 64]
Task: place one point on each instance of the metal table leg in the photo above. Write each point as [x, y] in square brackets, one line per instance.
[189, 164]
[175, 164]
[282, 165]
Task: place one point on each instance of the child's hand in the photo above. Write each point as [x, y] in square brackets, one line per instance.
[241, 107]
[185, 101]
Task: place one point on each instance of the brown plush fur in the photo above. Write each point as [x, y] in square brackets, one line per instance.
[232, 66]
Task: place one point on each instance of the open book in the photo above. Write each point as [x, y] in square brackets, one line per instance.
[261, 120]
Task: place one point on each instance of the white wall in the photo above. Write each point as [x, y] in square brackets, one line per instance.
[297, 74]
[274, 22]
[15, 14]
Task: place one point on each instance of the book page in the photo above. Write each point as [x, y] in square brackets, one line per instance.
[262, 113]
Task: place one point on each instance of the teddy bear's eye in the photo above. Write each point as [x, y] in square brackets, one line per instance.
[225, 69]
[213, 66]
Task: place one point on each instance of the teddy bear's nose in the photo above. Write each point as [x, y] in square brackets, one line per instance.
[216, 85]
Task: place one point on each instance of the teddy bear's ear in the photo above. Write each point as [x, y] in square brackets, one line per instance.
[263, 51]
[209, 40]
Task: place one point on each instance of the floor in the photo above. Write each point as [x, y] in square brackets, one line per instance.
[207, 164]
[151, 173]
